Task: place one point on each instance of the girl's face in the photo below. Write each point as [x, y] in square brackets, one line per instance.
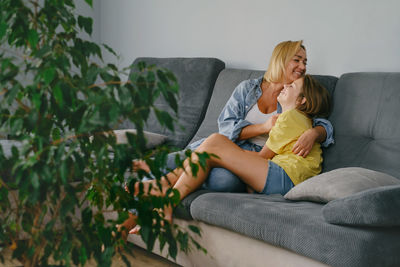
[288, 97]
[297, 66]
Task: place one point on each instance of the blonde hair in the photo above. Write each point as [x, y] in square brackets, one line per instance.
[318, 102]
[281, 56]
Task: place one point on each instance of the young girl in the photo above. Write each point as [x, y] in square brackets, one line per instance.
[273, 170]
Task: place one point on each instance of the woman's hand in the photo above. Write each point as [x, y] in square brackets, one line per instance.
[253, 130]
[305, 142]
[268, 124]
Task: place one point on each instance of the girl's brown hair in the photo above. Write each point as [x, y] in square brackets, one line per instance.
[318, 102]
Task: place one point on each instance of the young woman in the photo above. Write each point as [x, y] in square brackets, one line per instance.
[276, 168]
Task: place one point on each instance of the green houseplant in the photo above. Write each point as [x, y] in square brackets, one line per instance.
[59, 103]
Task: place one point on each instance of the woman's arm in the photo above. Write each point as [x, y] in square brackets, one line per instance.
[231, 119]
[321, 133]
[258, 129]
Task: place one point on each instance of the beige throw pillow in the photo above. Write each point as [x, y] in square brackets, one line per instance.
[339, 183]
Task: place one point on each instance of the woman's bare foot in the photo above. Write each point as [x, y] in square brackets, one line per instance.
[127, 225]
[140, 165]
[135, 230]
[168, 210]
[166, 213]
[150, 187]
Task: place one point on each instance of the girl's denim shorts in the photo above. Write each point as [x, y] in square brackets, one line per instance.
[278, 182]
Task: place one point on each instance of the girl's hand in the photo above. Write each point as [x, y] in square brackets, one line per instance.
[305, 143]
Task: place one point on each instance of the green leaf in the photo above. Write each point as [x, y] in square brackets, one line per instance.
[67, 204]
[194, 168]
[109, 49]
[16, 125]
[35, 180]
[58, 96]
[164, 118]
[87, 215]
[56, 134]
[170, 76]
[170, 97]
[195, 229]
[85, 23]
[161, 75]
[12, 93]
[48, 75]
[3, 29]
[36, 100]
[173, 249]
[63, 171]
[174, 195]
[83, 256]
[89, 2]
[126, 260]
[33, 38]
[43, 51]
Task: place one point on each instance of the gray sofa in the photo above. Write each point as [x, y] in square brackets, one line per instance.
[347, 216]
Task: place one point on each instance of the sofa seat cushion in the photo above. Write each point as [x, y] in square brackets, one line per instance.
[299, 227]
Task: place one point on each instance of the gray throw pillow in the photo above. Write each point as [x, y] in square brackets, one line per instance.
[339, 183]
[375, 207]
[153, 139]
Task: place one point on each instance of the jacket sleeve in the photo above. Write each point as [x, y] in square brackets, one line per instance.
[328, 128]
[231, 120]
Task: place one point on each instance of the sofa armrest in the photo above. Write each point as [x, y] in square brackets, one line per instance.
[153, 139]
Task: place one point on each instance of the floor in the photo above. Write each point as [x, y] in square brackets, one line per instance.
[141, 258]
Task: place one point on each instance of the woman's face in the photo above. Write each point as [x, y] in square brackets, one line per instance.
[288, 97]
[296, 67]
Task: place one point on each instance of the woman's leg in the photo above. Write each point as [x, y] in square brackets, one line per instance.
[130, 223]
[223, 180]
[250, 167]
[219, 179]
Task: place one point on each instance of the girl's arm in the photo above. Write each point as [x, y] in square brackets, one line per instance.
[266, 153]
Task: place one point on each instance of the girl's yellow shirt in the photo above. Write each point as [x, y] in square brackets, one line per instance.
[286, 131]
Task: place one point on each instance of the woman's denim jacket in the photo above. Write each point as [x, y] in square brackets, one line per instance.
[231, 121]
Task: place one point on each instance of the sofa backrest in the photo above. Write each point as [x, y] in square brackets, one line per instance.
[366, 120]
[227, 81]
[196, 78]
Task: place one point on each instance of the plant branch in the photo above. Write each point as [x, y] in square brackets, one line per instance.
[108, 83]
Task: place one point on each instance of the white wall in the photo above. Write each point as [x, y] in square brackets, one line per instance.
[94, 12]
[340, 36]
